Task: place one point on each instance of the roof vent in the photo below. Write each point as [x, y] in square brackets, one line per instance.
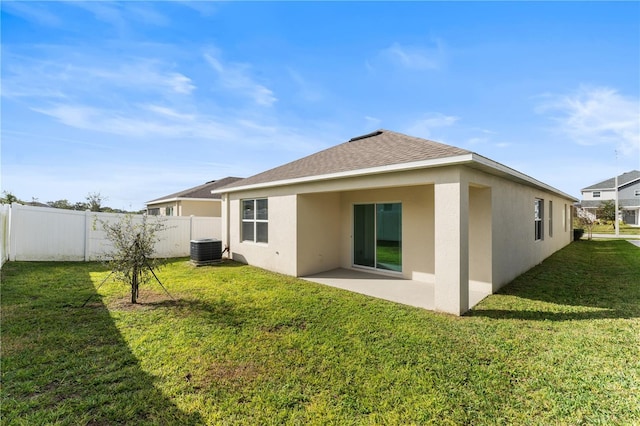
[368, 135]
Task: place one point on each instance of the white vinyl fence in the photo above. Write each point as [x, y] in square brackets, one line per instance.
[5, 214]
[42, 233]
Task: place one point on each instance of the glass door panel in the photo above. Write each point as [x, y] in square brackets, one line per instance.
[377, 236]
[364, 235]
[389, 236]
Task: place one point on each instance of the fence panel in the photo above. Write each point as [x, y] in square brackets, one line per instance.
[206, 227]
[41, 233]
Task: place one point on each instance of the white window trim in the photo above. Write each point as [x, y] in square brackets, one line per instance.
[255, 221]
[596, 194]
[540, 209]
[550, 214]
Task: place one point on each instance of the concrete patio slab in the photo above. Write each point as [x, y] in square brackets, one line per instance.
[408, 292]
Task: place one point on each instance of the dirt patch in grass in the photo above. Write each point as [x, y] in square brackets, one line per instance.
[146, 301]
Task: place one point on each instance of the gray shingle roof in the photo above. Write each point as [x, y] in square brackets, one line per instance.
[200, 191]
[380, 148]
[623, 179]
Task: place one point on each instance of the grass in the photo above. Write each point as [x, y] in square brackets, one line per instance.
[607, 228]
[240, 345]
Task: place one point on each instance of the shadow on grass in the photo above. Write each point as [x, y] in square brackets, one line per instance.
[221, 312]
[585, 280]
[66, 364]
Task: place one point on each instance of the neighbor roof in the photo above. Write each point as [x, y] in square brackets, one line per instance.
[198, 192]
[623, 179]
[378, 152]
[380, 148]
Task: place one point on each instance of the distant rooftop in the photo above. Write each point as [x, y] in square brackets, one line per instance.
[623, 179]
[201, 191]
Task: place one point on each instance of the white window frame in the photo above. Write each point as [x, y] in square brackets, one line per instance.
[538, 219]
[550, 214]
[255, 221]
[168, 211]
[636, 193]
[596, 194]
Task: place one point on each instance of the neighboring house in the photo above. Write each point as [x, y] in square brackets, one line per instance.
[628, 196]
[196, 201]
[398, 205]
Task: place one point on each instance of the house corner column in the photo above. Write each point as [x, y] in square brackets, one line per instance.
[452, 247]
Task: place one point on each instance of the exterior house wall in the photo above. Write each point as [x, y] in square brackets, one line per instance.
[163, 207]
[210, 208]
[417, 226]
[319, 235]
[513, 245]
[279, 254]
[203, 208]
[605, 194]
[310, 224]
[629, 192]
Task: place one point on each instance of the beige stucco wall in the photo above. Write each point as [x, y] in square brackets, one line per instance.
[199, 208]
[204, 208]
[310, 224]
[163, 207]
[319, 233]
[417, 226]
[514, 249]
[279, 254]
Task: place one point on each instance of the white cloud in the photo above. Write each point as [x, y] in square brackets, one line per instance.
[418, 58]
[236, 78]
[77, 77]
[424, 126]
[596, 116]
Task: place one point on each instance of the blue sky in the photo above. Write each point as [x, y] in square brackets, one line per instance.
[137, 100]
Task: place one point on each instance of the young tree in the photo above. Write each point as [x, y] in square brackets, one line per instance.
[587, 220]
[133, 240]
[607, 210]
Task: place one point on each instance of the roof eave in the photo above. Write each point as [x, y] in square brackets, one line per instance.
[519, 176]
[437, 162]
[445, 161]
[170, 200]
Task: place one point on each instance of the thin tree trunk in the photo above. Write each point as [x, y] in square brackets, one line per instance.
[134, 284]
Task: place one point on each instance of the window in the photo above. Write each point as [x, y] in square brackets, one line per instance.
[154, 212]
[596, 194]
[255, 220]
[538, 216]
[550, 218]
[637, 193]
[168, 211]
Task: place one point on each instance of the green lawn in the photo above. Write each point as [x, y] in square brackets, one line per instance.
[239, 345]
[609, 229]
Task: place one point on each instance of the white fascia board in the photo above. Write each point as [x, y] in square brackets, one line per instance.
[170, 200]
[460, 159]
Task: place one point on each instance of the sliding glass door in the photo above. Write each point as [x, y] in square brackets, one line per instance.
[377, 236]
